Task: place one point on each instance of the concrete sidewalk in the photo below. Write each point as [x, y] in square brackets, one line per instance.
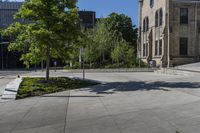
[126, 103]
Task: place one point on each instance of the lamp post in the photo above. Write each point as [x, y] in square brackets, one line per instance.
[2, 62]
[82, 61]
[2, 59]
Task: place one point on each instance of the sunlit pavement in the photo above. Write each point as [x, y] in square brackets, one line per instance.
[123, 103]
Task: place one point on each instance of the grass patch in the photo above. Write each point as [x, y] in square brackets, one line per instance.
[38, 86]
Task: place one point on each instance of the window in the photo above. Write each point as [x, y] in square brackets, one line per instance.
[199, 30]
[183, 46]
[151, 3]
[145, 50]
[158, 47]
[184, 16]
[146, 24]
[158, 18]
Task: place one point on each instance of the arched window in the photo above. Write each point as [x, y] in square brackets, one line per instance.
[160, 17]
[156, 19]
[151, 3]
[146, 24]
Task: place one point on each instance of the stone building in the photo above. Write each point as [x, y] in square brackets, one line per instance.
[169, 31]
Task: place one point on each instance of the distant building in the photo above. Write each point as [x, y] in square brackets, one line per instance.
[88, 18]
[169, 31]
[8, 59]
[7, 10]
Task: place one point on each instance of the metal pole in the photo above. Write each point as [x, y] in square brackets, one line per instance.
[2, 59]
[196, 27]
[168, 30]
[42, 65]
[83, 69]
[35, 68]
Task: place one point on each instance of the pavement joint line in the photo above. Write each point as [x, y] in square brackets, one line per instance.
[170, 123]
[67, 106]
[37, 127]
[150, 109]
[111, 116]
[28, 111]
[6, 98]
[10, 89]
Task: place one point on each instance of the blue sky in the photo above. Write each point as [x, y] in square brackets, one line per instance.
[105, 7]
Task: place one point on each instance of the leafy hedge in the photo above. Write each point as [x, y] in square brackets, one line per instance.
[38, 86]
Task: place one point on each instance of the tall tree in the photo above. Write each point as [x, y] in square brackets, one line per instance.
[99, 43]
[121, 24]
[52, 27]
[123, 53]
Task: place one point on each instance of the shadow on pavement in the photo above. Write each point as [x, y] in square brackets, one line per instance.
[57, 96]
[110, 88]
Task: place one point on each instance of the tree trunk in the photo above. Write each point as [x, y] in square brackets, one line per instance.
[47, 63]
[103, 57]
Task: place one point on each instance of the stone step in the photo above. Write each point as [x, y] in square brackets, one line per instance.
[174, 71]
[11, 89]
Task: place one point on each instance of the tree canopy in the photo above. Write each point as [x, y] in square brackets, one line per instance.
[121, 25]
[105, 48]
[49, 29]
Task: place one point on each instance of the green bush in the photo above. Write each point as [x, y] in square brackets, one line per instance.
[39, 86]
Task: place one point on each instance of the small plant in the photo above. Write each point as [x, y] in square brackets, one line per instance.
[39, 86]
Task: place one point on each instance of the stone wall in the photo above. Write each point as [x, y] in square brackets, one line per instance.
[154, 33]
[190, 30]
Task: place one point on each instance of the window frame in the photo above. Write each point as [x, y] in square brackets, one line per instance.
[146, 24]
[183, 50]
[184, 20]
[159, 17]
[151, 3]
[158, 48]
[145, 50]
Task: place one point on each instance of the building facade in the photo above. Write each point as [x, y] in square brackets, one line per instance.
[88, 19]
[7, 10]
[169, 31]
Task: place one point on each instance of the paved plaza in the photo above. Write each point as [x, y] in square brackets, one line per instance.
[142, 102]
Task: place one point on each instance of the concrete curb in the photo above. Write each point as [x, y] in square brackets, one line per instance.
[174, 71]
[111, 70]
[11, 89]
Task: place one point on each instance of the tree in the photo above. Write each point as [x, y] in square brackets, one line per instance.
[121, 24]
[123, 53]
[104, 47]
[52, 27]
[99, 43]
